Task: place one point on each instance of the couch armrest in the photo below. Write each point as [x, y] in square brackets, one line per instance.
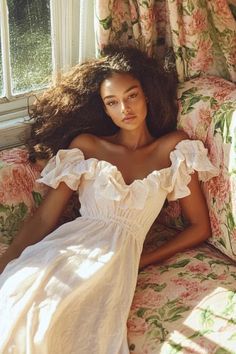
[208, 113]
[20, 194]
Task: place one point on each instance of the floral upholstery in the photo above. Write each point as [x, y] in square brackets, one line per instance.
[208, 112]
[188, 303]
[185, 305]
[20, 194]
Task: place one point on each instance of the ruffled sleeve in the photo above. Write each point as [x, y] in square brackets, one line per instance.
[66, 166]
[188, 156]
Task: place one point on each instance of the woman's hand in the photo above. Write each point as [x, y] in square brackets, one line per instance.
[145, 259]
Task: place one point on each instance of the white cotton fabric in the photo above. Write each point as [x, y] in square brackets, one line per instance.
[71, 292]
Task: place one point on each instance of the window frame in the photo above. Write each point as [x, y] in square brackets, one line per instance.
[69, 38]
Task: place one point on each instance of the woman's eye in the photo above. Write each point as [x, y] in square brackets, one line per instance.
[133, 95]
[110, 103]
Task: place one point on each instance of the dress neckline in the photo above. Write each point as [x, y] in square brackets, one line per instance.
[115, 168]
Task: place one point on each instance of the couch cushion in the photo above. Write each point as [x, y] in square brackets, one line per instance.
[185, 305]
[20, 194]
[208, 112]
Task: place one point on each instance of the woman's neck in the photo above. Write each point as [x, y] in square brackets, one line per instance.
[133, 140]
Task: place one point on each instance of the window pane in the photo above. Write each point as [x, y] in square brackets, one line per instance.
[30, 42]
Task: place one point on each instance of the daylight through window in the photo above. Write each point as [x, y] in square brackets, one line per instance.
[28, 39]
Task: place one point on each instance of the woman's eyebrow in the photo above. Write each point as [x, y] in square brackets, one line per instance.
[129, 89]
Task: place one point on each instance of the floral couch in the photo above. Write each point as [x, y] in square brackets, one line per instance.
[187, 304]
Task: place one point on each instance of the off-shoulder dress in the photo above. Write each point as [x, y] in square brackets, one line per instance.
[72, 291]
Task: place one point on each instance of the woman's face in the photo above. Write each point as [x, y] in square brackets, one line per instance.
[124, 101]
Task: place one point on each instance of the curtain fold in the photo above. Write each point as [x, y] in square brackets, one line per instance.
[86, 31]
[204, 38]
[202, 33]
[131, 22]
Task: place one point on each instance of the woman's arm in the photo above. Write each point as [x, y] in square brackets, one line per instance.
[40, 224]
[195, 210]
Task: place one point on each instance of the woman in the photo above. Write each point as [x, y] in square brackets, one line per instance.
[70, 290]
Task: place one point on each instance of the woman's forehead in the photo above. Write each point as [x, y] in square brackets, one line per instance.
[118, 82]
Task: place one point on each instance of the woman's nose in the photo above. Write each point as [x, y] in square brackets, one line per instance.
[125, 107]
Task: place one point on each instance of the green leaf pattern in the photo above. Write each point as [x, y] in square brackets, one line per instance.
[189, 305]
[202, 42]
[203, 32]
[208, 113]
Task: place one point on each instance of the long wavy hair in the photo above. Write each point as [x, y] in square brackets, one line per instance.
[74, 106]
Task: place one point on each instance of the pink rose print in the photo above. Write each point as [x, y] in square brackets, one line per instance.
[196, 23]
[221, 94]
[11, 191]
[224, 14]
[205, 116]
[231, 58]
[214, 150]
[149, 298]
[15, 155]
[118, 9]
[204, 57]
[133, 13]
[190, 289]
[204, 121]
[147, 20]
[215, 224]
[198, 268]
[17, 183]
[219, 188]
[222, 276]
[199, 21]
[137, 326]
[218, 83]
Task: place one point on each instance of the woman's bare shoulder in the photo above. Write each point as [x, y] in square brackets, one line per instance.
[169, 141]
[88, 143]
[83, 141]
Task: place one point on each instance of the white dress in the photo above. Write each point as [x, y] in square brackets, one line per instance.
[71, 293]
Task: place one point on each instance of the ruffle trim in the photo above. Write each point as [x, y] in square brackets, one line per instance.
[66, 166]
[189, 155]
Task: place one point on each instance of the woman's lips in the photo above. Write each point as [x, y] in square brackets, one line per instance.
[128, 118]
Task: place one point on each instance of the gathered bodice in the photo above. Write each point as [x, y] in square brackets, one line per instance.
[104, 195]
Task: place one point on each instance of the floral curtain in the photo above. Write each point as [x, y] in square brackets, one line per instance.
[132, 22]
[202, 33]
[204, 38]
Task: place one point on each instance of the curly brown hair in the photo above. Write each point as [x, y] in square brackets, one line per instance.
[74, 106]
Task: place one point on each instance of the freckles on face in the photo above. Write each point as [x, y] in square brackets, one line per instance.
[124, 99]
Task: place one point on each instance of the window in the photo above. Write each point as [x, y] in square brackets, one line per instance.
[30, 60]
[39, 39]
